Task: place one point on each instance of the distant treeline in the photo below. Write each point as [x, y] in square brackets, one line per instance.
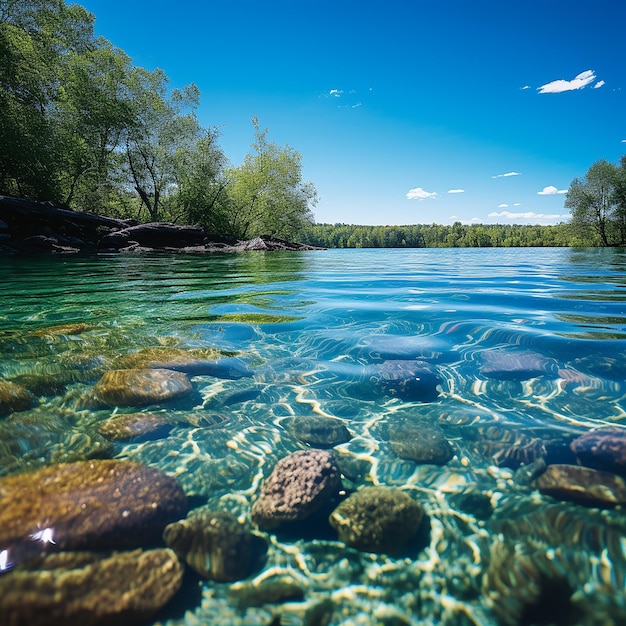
[457, 235]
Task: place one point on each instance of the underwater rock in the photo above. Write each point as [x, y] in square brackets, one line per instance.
[503, 365]
[603, 449]
[135, 426]
[137, 387]
[71, 329]
[408, 380]
[420, 443]
[317, 430]
[274, 590]
[299, 485]
[377, 519]
[89, 589]
[213, 543]
[88, 505]
[473, 502]
[14, 398]
[42, 384]
[582, 485]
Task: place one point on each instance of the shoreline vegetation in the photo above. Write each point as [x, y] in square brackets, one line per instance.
[85, 129]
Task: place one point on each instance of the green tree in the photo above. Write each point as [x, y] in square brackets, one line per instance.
[597, 204]
[267, 194]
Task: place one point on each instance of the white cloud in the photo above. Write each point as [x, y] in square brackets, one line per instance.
[357, 105]
[506, 175]
[456, 190]
[517, 204]
[335, 93]
[623, 140]
[525, 87]
[599, 84]
[528, 215]
[551, 190]
[559, 86]
[503, 206]
[420, 194]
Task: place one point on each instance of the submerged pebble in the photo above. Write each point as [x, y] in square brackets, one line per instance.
[318, 430]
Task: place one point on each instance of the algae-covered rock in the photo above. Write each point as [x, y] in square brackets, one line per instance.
[583, 485]
[420, 443]
[85, 588]
[135, 426]
[377, 519]
[299, 485]
[411, 380]
[13, 398]
[213, 543]
[318, 430]
[88, 505]
[140, 387]
[274, 590]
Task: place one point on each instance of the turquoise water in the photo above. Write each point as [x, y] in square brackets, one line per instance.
[312, 333]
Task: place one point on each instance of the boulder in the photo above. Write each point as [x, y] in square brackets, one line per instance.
[14, 398]
[135, 427]
[317, 430]
[140, 387]
[299, 485]
[582, 485]
[377, 519]
[420, 443]
[99, 504]
[89, 589]
[411, 380]
[213, 543]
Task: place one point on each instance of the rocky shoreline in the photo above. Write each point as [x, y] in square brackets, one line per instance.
[28, 227]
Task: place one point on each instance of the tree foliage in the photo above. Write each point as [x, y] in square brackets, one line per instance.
[598, 204]
[83, 126]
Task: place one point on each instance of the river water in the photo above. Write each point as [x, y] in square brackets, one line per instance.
[528, 347]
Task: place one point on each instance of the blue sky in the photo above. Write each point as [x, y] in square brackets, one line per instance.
[413, 111]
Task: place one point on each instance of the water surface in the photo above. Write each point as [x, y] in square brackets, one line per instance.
[313, 331]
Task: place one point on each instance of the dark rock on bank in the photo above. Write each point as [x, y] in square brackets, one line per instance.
[28, 227]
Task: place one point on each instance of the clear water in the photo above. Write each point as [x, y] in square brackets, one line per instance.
[308, 325]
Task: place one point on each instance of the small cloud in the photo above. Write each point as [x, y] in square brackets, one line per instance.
[551, 190]
[420, 194]
[503, 206]
[357, 105]
[517, 204]
[559, 86]
[525, 87]
[623, 140]
[456, 190]
[529, 215]
[506, 175]
[599, 84]
[335, 93]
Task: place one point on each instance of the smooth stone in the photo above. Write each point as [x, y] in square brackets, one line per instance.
[103, 504]
[14, 398]
[63, 329]
[318, 430]
[377, 519]
[411, 380]
[138, 387]
[603, 449]
[89, 589]
[422, 444]
[583, 485]
[503, 365]
[136, 427]
[213, 543]
[274, 590]
[299, 485]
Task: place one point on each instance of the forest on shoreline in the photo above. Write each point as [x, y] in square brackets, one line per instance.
[457, 235]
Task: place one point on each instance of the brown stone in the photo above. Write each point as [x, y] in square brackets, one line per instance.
[318, 430]
[89, 505]
[139, 387]
[583, 485]
[299, 485]
[135, 426]
[13, 398]
[84, 588]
